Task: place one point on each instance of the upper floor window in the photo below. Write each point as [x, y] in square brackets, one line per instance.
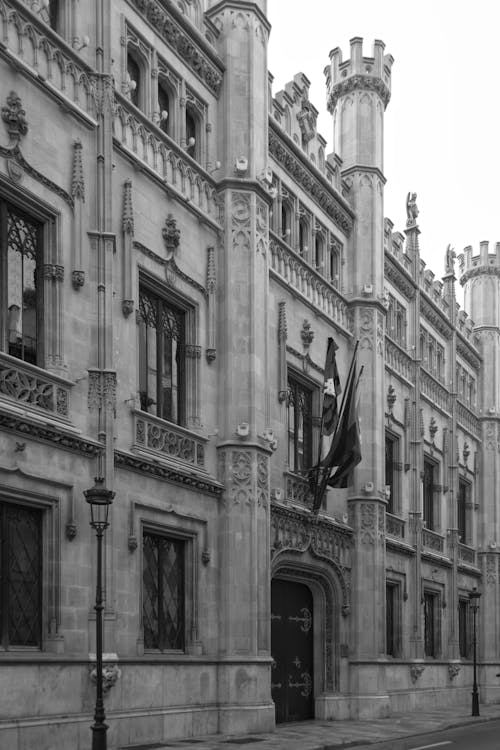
[164, 104]
[192, 133]
[163, 601]
[286, 221]
[21, 576]
[319, 260]
[133, 82]
[462, 510]
[303, 237]
[161, 356]
[300, 437]
[391, 465]
[429, 509]
[21, 283]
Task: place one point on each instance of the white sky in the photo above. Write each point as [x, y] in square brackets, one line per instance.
[442, 125]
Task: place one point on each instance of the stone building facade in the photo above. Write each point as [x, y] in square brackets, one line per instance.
[176, 248]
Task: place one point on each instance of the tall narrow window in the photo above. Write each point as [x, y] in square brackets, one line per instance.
[462, 500]
[303, 237]
[392, 619]
[463, 628]
[428, 509]
[54, 15]
[133, 83]
[20, 279]
[430, 624]
[163, 603]
[161, 357]
[165, 108]
[299, 425]
[286, 223]
[334, 266]
[391, 450]
[192, 146]
[21, 576]
[318, 253]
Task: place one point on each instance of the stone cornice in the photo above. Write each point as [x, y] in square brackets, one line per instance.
[399, 278]
[435, 317]
[184, 40]
[358, 82]
[167, 473]
[305, 358]
[479, 271]
[46, 433]
[464, 348]
[315, 185]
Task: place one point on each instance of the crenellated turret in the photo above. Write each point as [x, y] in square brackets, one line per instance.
[359, 90]
[480, 277]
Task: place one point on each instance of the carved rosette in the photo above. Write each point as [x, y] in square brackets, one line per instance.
[366, 328]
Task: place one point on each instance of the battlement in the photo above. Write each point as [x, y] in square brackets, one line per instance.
[373, 73]
[475, 265]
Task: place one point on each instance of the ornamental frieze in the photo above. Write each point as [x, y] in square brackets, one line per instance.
[321, 194]
[465, 351]
[399, 280]
[167, 473]
[436, 319]
[47, 434]
[182, 43]
[356, 83]
[479, 271]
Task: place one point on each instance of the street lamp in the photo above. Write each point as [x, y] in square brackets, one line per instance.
[99, 498]
[474, 596]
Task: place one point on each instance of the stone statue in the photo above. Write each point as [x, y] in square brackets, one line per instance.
[411, 209]
[449, 263]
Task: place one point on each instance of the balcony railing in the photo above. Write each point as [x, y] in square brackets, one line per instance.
[298, 491]
[466, 554]
[433, 541]
[169, 440]
[394, 526]
[26, 385]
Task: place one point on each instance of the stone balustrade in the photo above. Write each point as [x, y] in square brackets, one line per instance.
[433, 541]
[434, 391]
[300, 275]
[28, 386]
[394, 526]
[169, 440]
[398, 360]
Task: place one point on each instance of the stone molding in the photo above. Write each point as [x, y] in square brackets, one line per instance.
[400, 280]
[322, 194]
[358, 83]
[51, 435]
[436, 318]
[167, 473]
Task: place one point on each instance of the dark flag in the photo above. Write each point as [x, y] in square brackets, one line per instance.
[331, 390]
[345, 451]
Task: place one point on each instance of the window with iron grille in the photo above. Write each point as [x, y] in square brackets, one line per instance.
[463, 628]
[163, 605]
[162, 367]
[431, 624]
[392, 619]
[20, 284]
[300, 437]
[20, 576]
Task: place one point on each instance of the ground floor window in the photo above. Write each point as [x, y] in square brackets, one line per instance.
[163, 606]
[20, 576]
[392, 619]
[431, 624]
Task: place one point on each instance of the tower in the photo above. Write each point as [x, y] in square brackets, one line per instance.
[358, 93]
[480, 277]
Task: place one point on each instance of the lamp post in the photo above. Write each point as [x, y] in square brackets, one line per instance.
[99, 498]
[474, 596]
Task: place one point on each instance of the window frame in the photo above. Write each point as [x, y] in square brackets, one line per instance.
[311, 389]
[464, 627]
[394, 502]
[181, 540]
[393, 635]
[432, 629]
[464, 493]
[430, 509]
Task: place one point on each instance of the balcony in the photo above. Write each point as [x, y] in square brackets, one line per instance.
[298, 491]
[466, 555]
[170, 441]
[433, 541]
[394, 526]
[29, 387]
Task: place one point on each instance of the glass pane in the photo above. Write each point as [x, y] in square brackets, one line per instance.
[21, 287]
[23, 571]
[172, 572]
[150, 591]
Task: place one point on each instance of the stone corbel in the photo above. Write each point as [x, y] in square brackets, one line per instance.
[111, 672]
[415, 671]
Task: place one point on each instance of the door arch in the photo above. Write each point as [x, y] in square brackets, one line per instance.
[292, 650]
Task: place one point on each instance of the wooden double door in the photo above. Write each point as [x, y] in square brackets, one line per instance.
[292, 676]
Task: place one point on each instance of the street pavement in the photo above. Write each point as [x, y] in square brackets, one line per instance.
[330, 735]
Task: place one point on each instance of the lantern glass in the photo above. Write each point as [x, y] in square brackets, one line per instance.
[99, 498]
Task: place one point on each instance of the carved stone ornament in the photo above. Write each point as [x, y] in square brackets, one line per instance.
[14, 115]
[449, 261]
[415, 671]
[306, 334]
[77, 279]
[110, 675]
[411, 210]
[391, 397]
[71, 531]
[132, 542]
[127, 307]
[433, 428]
[307, 120]
[453, 670]
[171, 236]
[77, 181]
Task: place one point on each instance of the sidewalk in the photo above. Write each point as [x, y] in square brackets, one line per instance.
[323, 735]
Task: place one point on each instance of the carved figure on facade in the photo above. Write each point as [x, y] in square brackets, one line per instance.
[306, 334]
[110, 675]
[411, 210]
[307, 120]
[415, 671]
[171, 236]
[449, 262]
[453, 670]
[15, 116]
